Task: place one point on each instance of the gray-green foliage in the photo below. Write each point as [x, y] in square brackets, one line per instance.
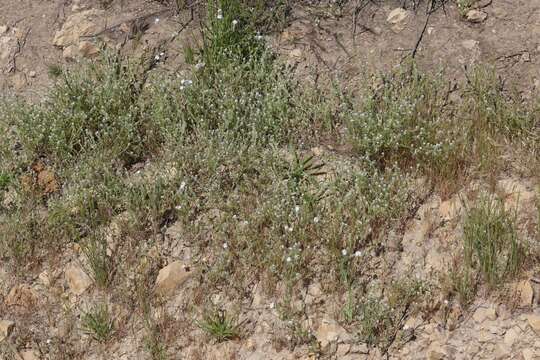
[491, 243]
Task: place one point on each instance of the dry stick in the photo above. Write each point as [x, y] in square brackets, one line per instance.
[415, 50]
[20, 46]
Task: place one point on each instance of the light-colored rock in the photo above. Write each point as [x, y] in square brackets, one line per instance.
[22, 296]
[398, 19]
[525, 293]
[435, 355]
[18, 81]
[171, 277]
[329, 331]
[32, 74]
[6, 326]
[3, 29]
[484, 313]
[534, 322]
[88, 49]
[397, 15]
[30, 355]
[470, 44]
[77, 280]
[297, 53]
[529, 354]
[476, 16]
[71, 52]
[84, 23]
[511, 336]
[45, 278]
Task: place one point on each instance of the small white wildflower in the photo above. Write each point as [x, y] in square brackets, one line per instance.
[182, 185]
[199, 65]
[297, 209]
[235, 22]
[258, 37]
[288, 259]
[316, 219]
[161, 54]
[446, 302]
[178, 207]
[219, 14]
[186, 82]
[156, 57]
[225, 246]
[156, 20]
[357, 254]
[344, 252]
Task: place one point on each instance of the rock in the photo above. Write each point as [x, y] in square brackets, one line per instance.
[525, 292]
[476, 16]
[482, 314]
[526, 56]
[297, 53]
[78, 281]
[70, 52]
[32, 74]
[6, 326]
[88, 49]
[29, 355]
[511, 336]
[45, 278]
[397, 18]
[534, 322]
[529, 354]
[171, 277]
[435, 355]
[470, 44]
[397, 15]
[79, 24]
[18, 81]
[3, 29]
[359, 349]
[22, 296]
[330, 331]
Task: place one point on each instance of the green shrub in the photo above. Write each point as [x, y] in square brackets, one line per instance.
[402, 121]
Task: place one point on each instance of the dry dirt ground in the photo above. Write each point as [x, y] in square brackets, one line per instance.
[323, 42]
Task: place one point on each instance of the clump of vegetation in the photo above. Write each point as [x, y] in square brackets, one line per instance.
[98, 323]
[491, 244]
[403, 120]
[220, 326]
[382, 319]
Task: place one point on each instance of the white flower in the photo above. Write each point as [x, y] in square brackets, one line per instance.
[199, 65]
[344, 252]
[258, 37]
[186, 82]
[288, 259]
[161, 54]
[156, 57]
[297, 209]
[178, 207]
[156, 20]
[225, 246]
[235, 22]
[219, 14]
[182, 185]
[357, 254]
[316, 219]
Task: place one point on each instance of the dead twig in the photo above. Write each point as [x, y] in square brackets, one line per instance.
[20, 45]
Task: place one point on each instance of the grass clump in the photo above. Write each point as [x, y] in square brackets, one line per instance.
[382, 318]
[98, 323]
[491, 245]
[219, 326]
